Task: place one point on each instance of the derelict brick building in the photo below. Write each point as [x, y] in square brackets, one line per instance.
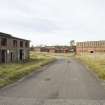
[13, 49]
[90, 47]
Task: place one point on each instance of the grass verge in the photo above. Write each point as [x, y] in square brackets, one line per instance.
[9, 73]
[96, 63]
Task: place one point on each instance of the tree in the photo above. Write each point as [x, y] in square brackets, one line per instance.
[32, 48]
[72, 43]
[72, 46]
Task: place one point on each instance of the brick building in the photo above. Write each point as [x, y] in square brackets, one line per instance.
[13, 49]
[90, 47]
[53, 49]
[40, 49]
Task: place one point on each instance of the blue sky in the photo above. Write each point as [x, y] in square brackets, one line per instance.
[53, 22]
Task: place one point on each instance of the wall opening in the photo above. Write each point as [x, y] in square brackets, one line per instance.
[26, 44]
[15, 43]
[91, 51]
[11, 56]
[21, 43]
[3, 56]
[3, 42]
[21, 55]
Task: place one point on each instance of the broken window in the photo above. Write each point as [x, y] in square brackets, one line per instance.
[21, 43]
[26, 44]
[3, 42]
[15, 43]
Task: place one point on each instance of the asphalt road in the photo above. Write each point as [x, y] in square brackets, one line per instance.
[66, 81]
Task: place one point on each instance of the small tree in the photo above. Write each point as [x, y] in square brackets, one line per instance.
[32, 48]
[72, 46]
[72, 43]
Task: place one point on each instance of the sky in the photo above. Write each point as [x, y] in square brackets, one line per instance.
[53, 22]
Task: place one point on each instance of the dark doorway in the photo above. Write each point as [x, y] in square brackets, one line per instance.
[3, 56]
[21, 55]
[11, 56]
[91, 51]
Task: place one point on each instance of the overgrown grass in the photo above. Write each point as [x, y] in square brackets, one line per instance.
[95, 62]
[10, 73]
[62, 55]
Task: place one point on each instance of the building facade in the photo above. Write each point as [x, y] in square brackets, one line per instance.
[40, 49]
[90, 47]
[53, 49]
[13, 49]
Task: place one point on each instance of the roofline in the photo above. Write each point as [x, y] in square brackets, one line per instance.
[20, 39]
[91, 41]
[10, 36]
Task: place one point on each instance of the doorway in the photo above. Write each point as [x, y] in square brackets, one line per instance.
[11, 56]
[91, 51]
[3, 56]
[21, 55]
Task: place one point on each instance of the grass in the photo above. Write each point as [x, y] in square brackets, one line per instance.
[95, 62]
[10, 73]
[62, 55]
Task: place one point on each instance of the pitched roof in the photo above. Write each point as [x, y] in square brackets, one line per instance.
[10, 36]
[5, 35]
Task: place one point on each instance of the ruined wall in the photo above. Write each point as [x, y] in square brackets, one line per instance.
[12, 52]
[90, 47]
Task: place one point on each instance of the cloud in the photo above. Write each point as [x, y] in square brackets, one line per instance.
[76, 18]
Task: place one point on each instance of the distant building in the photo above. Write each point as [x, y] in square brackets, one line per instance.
[40, 49]
[53, 49]
[90, 47]
[13, 49]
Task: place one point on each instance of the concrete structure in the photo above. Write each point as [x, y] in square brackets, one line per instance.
[90, 47]
[13, 49]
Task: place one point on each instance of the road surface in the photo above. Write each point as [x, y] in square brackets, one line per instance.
[67, 81]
